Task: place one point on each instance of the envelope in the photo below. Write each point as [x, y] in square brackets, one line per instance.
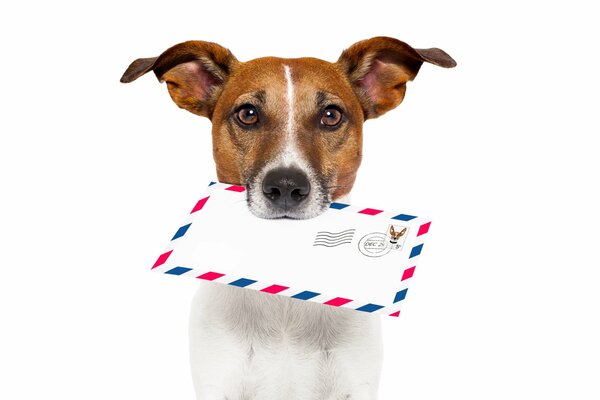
[354, 257]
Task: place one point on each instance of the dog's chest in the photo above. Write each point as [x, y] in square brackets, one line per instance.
[277, 325]
[268, 344]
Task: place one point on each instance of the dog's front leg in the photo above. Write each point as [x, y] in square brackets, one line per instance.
[356, 364]
[217, 354]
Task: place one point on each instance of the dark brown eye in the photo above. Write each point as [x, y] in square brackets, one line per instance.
[331, 117]
[247, 114]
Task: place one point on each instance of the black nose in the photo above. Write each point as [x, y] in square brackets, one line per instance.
[286, 187]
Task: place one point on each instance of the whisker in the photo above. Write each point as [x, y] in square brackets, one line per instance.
[335, 187]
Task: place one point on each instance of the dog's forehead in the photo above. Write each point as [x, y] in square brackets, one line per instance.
[274, 75]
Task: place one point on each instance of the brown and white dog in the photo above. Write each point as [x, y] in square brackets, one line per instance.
[290, 130]
[395, 236]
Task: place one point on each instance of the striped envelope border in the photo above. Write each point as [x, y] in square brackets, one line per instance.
[392, 310]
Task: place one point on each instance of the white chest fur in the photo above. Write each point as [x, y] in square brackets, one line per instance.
[249, 345]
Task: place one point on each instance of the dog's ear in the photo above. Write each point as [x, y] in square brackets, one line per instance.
[402, 232]
[379, 68]
[195, 73]
[392, 231]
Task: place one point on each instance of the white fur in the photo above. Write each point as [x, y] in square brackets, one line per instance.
[290, 154]
[290, 99]
[247, 345]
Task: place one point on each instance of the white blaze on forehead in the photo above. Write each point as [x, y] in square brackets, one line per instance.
[290, 154]
[290, 101]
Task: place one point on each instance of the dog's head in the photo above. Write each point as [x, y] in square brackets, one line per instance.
[396, 235]
[290, 130]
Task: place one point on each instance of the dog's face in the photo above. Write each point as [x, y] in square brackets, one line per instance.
[290, 130]
[396, 235]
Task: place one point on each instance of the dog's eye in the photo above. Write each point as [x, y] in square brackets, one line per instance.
[331, 117]
[247, 114]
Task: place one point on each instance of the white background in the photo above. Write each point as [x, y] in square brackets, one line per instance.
[501, 152]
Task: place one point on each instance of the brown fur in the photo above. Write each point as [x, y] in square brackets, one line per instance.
[335, 153]
[368, 80]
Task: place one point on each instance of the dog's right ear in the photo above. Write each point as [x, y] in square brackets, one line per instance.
[195, 73]
[392, 231]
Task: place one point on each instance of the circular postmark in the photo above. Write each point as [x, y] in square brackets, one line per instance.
[374, 245]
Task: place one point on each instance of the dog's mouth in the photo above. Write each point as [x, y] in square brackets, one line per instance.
[287, 193]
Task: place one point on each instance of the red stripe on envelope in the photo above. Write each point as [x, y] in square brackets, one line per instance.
[162, 259]
[338, 301]
[423, 229]
[210, 276]
[408, 273]
[370, 211]
[199, 205]
[274, 289]
[235, 188]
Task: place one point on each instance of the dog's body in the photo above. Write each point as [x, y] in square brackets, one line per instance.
[290, 130]
[249, 345]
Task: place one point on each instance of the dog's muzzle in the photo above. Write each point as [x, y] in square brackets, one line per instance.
[287, 192]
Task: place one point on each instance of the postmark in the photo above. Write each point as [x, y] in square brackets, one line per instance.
[378, 244]
[374, 244]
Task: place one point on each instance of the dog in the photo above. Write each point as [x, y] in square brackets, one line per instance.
[395, 236]
[290, 131]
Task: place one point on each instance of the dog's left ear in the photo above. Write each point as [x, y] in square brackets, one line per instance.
[379, 68]
[195, 73]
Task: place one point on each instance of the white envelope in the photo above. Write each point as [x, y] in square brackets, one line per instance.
[354, 257]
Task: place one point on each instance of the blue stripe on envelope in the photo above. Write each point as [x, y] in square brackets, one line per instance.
[416, 251]
[401, 295]
[181, 231]
[305, 295]
[369, 307]
[178, 271]
[243, 282]
[338, 206]
[404, 217]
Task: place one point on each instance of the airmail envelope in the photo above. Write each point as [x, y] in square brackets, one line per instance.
[353, 257]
